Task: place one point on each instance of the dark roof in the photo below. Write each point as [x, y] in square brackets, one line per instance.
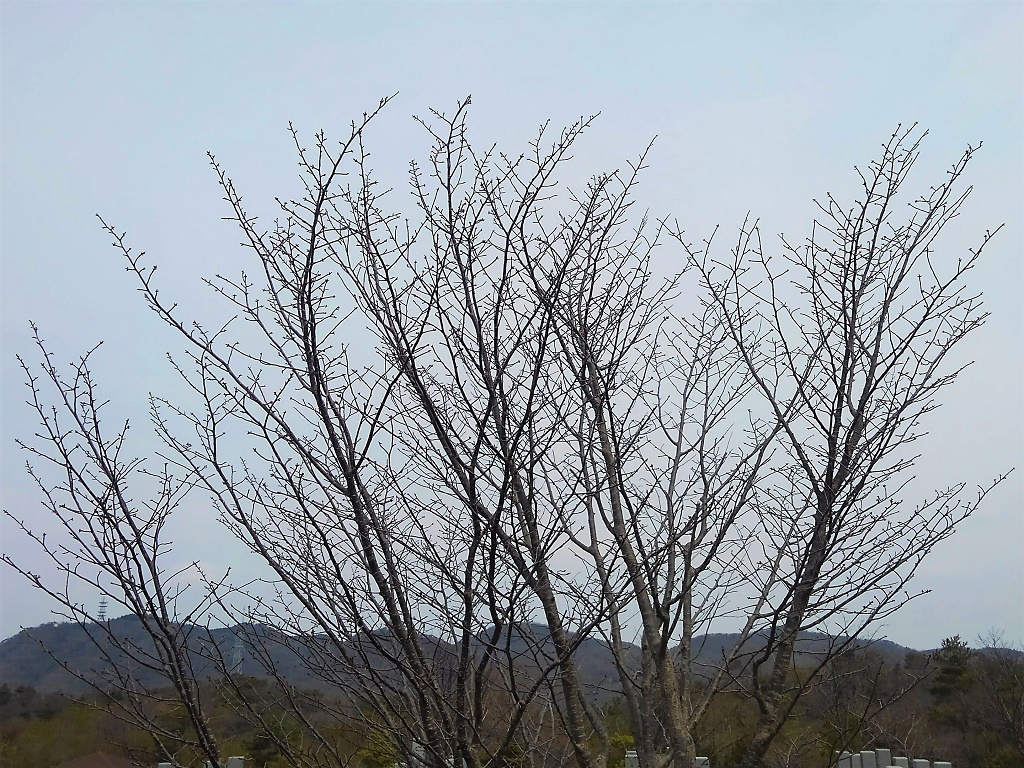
[99, 760]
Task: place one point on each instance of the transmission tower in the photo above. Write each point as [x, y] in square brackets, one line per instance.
[236, 654]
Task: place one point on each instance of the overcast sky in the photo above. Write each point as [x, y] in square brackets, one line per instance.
[110, 108]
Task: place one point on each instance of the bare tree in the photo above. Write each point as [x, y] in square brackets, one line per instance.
[665, 498]
[118, 547]
[539, 448]
[1000, 674]
[405, 505]
[847, 338]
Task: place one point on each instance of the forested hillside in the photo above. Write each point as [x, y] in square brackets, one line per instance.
[956, 703]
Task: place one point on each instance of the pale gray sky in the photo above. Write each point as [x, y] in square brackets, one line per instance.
[110, 107]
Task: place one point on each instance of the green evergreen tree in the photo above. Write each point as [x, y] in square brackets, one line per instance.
[953, 674]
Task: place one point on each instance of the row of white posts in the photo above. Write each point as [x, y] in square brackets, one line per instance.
[882, 758]
[875, 758]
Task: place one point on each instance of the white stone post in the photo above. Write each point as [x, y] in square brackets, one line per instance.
[416, 759]
[883, 758]
[941, 764]
[632, 761]
[867, 759]
[919, 764]
[901, 762]
[703, 762]
[845, 760]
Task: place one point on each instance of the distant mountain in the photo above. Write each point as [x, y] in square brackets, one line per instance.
[23, 660]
